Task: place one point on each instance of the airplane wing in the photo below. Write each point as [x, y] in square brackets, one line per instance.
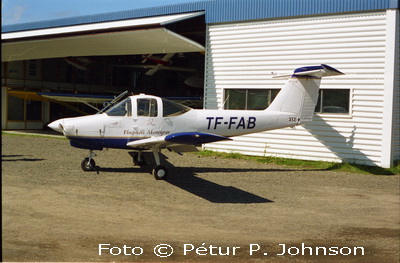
[158, 66]
[179, 142]
[152, 71]
[66, 97]
[154, 142]
[160, 63]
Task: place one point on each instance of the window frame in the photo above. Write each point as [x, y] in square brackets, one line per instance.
[23, 108]
[153, 110]
[177, 108]
[128, 110]
[269, 99]
[270, 96]
[337, 114]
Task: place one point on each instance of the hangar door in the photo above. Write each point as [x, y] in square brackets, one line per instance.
[349, 123]
[128, 37]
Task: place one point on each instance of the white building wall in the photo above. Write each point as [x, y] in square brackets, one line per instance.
[242, 56]
[391, 103]
[396, 118]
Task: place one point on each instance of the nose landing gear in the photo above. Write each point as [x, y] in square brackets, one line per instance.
[88, 164]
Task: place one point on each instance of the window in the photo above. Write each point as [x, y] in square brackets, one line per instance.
[24, 110]
[249, 99]
[15, 109]
[32, 68]
[33, 110]
[124, 108]
[147, 107]
[171, 108]
[330, 101]
[336, 101]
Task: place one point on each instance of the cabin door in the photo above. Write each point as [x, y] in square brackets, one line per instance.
[147, 122]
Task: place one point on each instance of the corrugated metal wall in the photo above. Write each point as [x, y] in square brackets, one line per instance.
[396, 109]
[240, 10]
[396, 133]
[243, 55]
[218, 11]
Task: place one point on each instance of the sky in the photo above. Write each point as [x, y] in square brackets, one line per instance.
[25, 11]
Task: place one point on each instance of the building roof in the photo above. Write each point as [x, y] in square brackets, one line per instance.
[220, 11]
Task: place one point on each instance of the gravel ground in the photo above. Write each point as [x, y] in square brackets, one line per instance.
[210, 209]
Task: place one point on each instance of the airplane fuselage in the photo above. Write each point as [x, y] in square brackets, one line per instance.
[103, 131]
[143, 122]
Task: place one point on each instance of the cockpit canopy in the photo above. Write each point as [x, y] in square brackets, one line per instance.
[123, 108]
[147, 107]
[171, 108]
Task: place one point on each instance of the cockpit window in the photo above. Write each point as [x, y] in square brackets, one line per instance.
[124, 108]
[147, 107]
[171, 109]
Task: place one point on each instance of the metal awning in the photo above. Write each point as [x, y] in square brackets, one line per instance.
[127, 37]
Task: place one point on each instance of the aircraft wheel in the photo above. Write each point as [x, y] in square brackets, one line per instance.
[88, 165]
[136, 161]
[160, 172]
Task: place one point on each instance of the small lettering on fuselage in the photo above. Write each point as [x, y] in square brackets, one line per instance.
[231, 122]
[146, 132]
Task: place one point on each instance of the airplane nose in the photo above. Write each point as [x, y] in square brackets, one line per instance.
[56, 125]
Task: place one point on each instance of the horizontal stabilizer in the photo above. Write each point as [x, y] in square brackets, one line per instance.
[300, 94]
[312, 71]
[317, 71]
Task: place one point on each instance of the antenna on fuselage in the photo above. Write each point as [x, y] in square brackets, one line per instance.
[111, 103]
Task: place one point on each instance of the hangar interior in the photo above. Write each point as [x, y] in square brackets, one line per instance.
[166, 59]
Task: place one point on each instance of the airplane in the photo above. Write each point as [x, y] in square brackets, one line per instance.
[81, 63]
[149, 123]
[161, 62]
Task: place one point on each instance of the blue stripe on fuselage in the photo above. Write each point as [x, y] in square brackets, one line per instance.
[98, 143]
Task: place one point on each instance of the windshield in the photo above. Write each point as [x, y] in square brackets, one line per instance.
[124, 108]
[171, 108]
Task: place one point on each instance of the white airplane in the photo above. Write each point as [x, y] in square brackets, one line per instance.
[143, 122]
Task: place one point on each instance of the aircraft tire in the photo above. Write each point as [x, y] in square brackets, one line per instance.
[160, 172]
[87, 165]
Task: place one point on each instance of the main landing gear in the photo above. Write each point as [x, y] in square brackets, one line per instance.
[159, 172]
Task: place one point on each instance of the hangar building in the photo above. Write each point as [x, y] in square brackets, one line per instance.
[223, 51]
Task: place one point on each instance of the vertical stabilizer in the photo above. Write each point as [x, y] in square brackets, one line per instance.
[300, 94]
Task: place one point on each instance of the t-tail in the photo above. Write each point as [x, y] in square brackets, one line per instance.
[300, 94]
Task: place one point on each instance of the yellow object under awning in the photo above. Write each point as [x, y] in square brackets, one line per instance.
[26, 95]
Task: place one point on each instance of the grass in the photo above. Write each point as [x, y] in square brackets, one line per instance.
[318, 165]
